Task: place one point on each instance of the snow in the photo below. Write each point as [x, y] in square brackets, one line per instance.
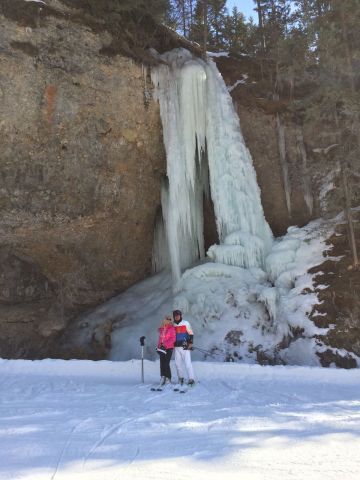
[83, 420]
[242, 81]
[234, 311]
[328, 184]
[270, 297]
[36, 1]
[217, 54]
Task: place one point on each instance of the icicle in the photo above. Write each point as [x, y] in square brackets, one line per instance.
[240, 249]
[160, 255]
[146, 92]
[283, 162]
[306, 181]
[270, 297]
[281, 258]
[234, 189]
[180, 89]
[144, 71]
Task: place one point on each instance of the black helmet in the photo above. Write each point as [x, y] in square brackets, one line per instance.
[177, 312]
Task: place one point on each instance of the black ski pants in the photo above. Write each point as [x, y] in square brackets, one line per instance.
[165, 363]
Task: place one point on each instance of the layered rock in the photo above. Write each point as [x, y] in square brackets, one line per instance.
[81, 163]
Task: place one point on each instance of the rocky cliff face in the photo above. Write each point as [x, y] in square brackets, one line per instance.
[284, 182]
[339, 303]
[81, 161]
[314, 190]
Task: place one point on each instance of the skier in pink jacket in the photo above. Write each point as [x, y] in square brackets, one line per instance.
[165, 348]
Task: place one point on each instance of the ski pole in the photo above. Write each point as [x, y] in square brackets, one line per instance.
[142, 343]
[208, 352]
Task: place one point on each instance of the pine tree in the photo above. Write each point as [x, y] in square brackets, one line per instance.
[216, 19]
[261, 9]
[235, 32]
[182, 13]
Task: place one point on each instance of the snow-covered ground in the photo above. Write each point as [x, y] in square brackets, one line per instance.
[95, 420]
[234, 312]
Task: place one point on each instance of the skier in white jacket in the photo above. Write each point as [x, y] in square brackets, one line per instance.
[183, 346]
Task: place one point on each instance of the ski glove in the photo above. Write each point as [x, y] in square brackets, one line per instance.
[161, 349]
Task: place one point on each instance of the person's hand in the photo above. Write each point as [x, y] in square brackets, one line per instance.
[190, 346]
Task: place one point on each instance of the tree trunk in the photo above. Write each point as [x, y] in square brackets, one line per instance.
[350, 68]
[349, 218]
[191, 16]
[184, 17]
[205, 8]
[351, 77]
[261, 26]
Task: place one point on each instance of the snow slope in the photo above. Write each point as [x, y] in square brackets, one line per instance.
[95, 420]
[234, 312]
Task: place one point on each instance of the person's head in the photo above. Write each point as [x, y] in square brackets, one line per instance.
[167, 320]
[177, 316]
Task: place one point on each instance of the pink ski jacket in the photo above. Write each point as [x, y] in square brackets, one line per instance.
[167, 336]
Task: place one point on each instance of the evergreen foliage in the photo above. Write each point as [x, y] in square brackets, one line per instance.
[223, 30]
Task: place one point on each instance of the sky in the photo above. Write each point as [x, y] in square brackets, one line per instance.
[244, 6]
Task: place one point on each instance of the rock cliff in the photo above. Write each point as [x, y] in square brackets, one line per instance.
[81, 164]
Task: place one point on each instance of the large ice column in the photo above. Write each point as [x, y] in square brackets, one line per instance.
[198, 116]
[180, 87]
[234, 188]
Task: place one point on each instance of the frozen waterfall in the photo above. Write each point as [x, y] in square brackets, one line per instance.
[203, 142]
[252, 300]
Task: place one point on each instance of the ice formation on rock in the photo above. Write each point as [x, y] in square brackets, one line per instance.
[249, 290]
[160, 254]
[202, 128]
[245, 301]
[236, 313]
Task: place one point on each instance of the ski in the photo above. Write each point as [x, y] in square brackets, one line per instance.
[179, 386]
[184, 388]
[160, 388]
[157, 389]
[180, 390]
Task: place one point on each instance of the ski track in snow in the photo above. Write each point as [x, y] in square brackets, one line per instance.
[93, 420]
